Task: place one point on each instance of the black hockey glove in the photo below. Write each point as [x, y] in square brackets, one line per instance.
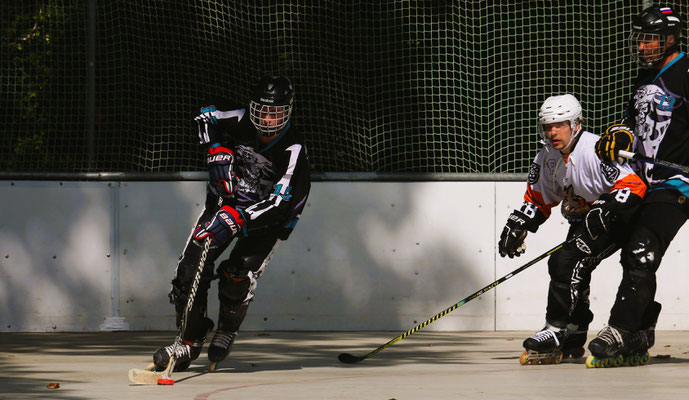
[223, 182]
[617, 137]
[600, 216]
[226, 223]
[518, 223]
[512, 238]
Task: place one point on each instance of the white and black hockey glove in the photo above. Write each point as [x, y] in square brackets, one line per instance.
[207, 122]
[518, 223]
[226, 223]
[223, 181]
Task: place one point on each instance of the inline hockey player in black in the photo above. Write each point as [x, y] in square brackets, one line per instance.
[258, 186]
[597, 199]
[658, 112]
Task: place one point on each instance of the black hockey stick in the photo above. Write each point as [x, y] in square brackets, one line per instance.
[634, 156]
[140, 376]
[351, 359]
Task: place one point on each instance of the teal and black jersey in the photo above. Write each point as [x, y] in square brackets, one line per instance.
[659, 113]
[273, 180]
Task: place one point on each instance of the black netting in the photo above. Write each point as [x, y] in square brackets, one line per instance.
[382, 86]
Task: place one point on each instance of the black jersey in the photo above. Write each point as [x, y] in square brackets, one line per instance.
[659, 113]
[273, 180]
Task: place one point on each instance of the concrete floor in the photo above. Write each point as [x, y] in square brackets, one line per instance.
[304, 365]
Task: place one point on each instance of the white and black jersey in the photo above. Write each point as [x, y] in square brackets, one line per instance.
[659, 113]
[576, 179]
[273, 181]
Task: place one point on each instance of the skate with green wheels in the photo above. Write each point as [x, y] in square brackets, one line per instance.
[630, 360]
[615, 347]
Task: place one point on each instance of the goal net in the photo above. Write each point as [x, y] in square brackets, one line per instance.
[382, 86]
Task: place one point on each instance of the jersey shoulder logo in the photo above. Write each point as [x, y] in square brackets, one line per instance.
[534, 173]
[609, 171]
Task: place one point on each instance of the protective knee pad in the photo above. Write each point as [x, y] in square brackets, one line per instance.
[237, 282]
[179, 293]
[234, 289]
[642, 256]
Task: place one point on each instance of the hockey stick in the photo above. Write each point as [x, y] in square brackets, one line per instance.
[144, 377]
[634, 156]
[351, 359]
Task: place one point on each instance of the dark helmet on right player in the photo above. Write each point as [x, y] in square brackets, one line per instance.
[271, 104]
[656, 33]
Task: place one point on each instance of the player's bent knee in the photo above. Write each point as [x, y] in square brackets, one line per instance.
[235, 289]
[642, 258]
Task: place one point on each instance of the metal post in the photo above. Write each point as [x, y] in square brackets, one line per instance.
[115, 322]
[91, 84]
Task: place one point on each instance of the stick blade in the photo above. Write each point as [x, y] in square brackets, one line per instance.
[142, 377]
[349, 358]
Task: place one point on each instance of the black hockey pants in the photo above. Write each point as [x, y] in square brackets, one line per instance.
[238, 274]
[662, 214]
[570, 271]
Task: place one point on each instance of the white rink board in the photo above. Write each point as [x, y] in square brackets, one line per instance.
[365, 256]
[54, 255]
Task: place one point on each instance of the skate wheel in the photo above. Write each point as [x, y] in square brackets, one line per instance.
[150, 367]
[591, 362]
[212, 366]
[618, 361]
[633, 360]
[558, 358]
[524, 358]
[643, 360]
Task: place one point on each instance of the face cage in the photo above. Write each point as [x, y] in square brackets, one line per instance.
[269, 120]
[647, 59]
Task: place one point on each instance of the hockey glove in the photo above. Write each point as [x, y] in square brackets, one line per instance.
[221, 228]
[512, 237]
[207, 123]
[223, 182]
[599, 217]
[617, 137]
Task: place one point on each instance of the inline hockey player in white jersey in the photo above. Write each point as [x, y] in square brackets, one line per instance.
[598, 198]
[258, 186]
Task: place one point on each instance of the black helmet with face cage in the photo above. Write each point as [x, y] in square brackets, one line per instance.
[655, 23]
[271, 104]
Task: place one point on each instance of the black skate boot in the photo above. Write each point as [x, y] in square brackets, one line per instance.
[638, 343]
[187, 352]
[551, 344]
[607, 347]
[220, 347]
[230, 319]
